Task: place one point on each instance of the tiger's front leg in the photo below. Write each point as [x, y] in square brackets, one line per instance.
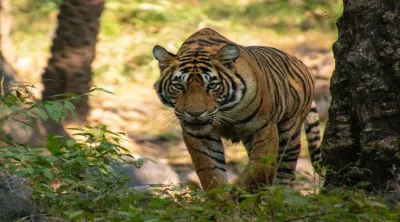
[208, 158]
[262, 148]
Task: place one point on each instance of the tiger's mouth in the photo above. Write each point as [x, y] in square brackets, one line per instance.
[197, 123]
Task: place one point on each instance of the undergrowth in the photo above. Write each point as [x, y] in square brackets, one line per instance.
[78, 179]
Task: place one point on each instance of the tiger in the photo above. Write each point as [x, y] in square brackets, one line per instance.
[256, 95]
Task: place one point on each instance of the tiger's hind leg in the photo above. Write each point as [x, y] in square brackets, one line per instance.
[262, 149]
[289, 151]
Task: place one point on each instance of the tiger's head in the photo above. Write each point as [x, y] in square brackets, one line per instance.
[199, 86]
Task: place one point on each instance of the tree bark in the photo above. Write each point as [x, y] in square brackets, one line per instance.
[73, 50]
[7, 75]
[362, 137]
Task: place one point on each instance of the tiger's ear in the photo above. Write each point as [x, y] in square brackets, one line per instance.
[164, 57]
[227, 54]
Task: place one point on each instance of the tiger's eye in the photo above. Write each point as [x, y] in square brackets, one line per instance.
[212, 85]
[178, 86]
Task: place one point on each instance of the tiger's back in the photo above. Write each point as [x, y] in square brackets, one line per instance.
[262, 99]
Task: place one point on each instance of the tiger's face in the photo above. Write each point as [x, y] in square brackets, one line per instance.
[198, 86]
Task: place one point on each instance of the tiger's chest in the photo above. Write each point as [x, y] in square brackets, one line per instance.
[233, 132]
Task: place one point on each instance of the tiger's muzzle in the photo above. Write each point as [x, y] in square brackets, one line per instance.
[196, 121]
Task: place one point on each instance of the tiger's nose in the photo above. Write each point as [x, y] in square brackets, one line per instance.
[195, 113]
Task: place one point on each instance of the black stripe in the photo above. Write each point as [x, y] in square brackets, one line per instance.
[210, 168]
[184, 63]
[247, 119]
[243, 82]
[216, 151]
[292, 149]
[300, 76]
[220, 161]
[205, 138]
[312, 125]
[230, 84]
[284, 142]
[315, 152]
[186, 70]
[287, 159]
[256, 131]
[285, 131]
[258, 142]
[317, 138]
[196, 62]
[199, 49]
[189, 42]
[204, 69]
[203, 42]
[219, 40]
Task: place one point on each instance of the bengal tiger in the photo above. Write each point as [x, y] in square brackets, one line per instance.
[252, 94]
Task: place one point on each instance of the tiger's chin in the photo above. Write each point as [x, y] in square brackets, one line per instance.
[198, 127]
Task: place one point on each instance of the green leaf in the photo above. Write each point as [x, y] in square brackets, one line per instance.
[248, 201]
[138, 163]
[99, 132]
[70, 142]
[42, 113]
[56, 110]
[159, 203]
[43, 162]
[65, 95]
[101, 89]
[69, 106]
[48, 174]
[53, 144]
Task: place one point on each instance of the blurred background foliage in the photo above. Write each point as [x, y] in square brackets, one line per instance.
[129, 29]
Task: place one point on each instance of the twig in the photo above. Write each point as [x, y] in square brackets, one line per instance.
[2, 86]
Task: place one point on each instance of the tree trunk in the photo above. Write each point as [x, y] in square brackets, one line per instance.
[362, 137]
[69, 68]
[7, 75]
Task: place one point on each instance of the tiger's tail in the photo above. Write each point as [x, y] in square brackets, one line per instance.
[312, 129]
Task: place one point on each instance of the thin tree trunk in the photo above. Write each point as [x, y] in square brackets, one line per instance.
[362, 137]
[73, 50]
[7, 73]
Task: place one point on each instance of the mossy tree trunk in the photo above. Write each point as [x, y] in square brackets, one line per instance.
[73, 50]
[362, 137]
